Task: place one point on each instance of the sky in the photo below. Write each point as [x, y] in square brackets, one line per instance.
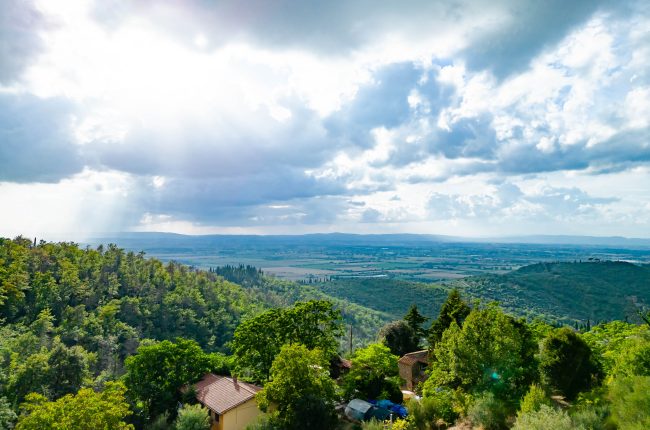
[471, 118]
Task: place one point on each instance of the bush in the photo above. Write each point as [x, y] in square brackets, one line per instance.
[193, 417]
[401, 424]
[591, 418]
[534, 399]
[373, 424]
[488, 412]
[546, 418]
[7, 415]
[266, 423]
[160, 423]
[436, 407]
[630, 399]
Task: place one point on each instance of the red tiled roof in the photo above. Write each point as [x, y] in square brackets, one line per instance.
[222, 393]
[413, 357]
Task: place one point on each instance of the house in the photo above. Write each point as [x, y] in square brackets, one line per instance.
[339, 366]
[412, 368]
[231, 402]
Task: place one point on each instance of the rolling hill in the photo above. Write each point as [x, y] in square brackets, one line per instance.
[566, 292]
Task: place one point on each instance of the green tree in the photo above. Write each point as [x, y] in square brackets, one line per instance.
[301, 389]
[374, 374]
[620, 347]
[534, 399]
[29, 376]
[156, 373]
[645, 316]
[491, 352]
[566, 363]
[630, 399]
[415, 320]
[87, 410]
[399, 337]
[193, 417]
[7, 415]
[68, 368]
[257, 341]
[454, 309]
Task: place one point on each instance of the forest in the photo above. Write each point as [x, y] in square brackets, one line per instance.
[104, 338]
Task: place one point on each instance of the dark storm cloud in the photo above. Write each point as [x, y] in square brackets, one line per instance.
[36, 140]
[20, 23]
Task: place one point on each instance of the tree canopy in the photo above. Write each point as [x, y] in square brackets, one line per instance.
[86, 410]
[454, 309]
[258, 340]
[399, 337]
[301, 389]
[491, 352]
[157, 372]
[415, 319]
[374, 374]
[566, 363]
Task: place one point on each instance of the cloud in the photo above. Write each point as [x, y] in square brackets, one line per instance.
[507, 201]
[335, 27]
[382, 102]
[530, 28]
[260, 114]
[205, 199]
[20, 26]
[37, 139]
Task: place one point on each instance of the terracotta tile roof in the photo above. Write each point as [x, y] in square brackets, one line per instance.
[222, 393]
[413, 357]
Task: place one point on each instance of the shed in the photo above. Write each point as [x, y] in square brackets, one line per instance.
[231, 402]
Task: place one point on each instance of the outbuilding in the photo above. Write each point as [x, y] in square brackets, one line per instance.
[231, 402]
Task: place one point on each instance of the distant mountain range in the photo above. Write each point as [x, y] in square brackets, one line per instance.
[148, 240]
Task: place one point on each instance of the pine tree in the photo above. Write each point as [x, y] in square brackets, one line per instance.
[453, 309]
[415, 320]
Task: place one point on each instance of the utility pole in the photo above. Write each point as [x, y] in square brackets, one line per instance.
[350, 340]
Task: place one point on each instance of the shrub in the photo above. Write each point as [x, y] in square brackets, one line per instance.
[534, 399]
[488, 412]
[630, 398]
[546, 418]
[591, 418]
[436, 406]
[160, 423]
[373, 424]
[193, 417]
